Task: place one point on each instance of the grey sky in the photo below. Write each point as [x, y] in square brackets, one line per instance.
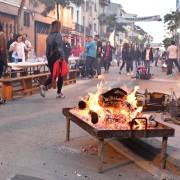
[149, 8]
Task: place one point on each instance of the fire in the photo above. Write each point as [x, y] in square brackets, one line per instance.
[118, 116]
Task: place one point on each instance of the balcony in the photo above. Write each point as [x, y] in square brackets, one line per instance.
[104, 2]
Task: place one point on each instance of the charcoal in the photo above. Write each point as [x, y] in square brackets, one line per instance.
[82, 105]
[94, 117]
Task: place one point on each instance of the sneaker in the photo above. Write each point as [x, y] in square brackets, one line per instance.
[42, 91]
[128, 74]
[132, 73]
[60, 95]
[119, 72]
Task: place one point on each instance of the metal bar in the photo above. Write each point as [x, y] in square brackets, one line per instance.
[100, 155]
[164, 152]
[67, 128]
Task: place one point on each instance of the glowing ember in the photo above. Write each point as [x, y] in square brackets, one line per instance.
[117, 113]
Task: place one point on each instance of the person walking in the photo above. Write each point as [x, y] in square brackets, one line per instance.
[125, 58]
[172, 52]
[147, 56]
[91, 56]
[98, 54]
[130, 61]
[54, 52]
[3, 52]
[66, 48]
[107, 58]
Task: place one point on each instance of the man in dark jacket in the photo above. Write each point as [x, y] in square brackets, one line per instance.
[66, 48]
[147, 57]
[98, 54]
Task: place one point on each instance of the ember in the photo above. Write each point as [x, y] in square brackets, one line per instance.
[114, 109]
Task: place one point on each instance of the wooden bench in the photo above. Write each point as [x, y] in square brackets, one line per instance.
[27, 83]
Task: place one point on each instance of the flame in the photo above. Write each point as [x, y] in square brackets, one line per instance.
[125, 112]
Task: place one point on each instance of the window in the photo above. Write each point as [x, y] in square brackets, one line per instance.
[77, 16]
[26, 19]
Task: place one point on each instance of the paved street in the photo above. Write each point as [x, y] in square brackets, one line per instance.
[32, 135]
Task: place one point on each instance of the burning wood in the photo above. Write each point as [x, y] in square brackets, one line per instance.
[115, 109]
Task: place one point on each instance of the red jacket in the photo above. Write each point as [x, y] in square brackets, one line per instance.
[60, 68]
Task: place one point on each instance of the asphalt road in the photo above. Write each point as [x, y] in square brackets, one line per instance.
[32, 138]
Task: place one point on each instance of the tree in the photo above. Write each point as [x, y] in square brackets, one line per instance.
[167, 42]
[172, 20]
[52, 4]
[19, 14]
[111, 23]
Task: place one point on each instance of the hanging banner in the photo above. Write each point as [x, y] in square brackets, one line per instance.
[138, 19]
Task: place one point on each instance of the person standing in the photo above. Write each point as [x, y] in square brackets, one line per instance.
[98, 54]
[107, 58]
[172, 52]
[137, 57]
[10, 41]
[54, 50]
[118, 55]
[66, 48]
[3, 54]
[90, 56]
[27, 45]
[156, 56]
[147, 56]
[18, 49]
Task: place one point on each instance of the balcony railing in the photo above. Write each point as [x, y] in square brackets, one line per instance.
[104, 2]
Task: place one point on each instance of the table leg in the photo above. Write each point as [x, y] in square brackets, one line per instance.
[100, 155]
[164, 152]
[67, 129]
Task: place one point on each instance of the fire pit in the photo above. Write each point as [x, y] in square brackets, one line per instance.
[114, 114]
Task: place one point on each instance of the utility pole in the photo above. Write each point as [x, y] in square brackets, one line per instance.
[84, 21]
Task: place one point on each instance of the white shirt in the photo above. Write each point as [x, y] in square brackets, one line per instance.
[19, 50]
[172, 52]
[147, 54]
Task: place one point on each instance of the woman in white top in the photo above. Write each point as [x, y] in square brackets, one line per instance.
[18, 48]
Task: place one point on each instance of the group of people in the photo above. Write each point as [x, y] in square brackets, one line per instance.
[146, 57]
[97, 54]
[15, 49]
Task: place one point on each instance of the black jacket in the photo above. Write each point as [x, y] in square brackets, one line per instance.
[150, 55]
[67, 50]
[54, 43]
[126, 55]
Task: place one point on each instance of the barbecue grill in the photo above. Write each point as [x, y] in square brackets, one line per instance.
[160, 130]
